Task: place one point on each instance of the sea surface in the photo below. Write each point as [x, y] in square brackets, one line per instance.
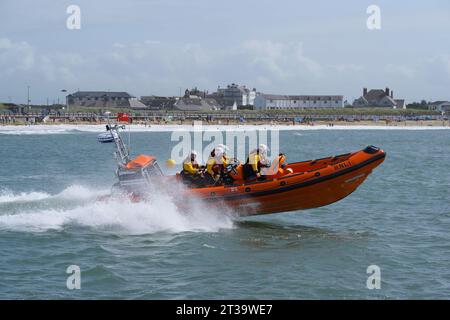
[50, 219]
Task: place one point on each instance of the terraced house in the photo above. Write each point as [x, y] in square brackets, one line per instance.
[283, 102]
[102, 99]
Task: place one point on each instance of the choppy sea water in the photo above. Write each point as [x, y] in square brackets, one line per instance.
[399, 220]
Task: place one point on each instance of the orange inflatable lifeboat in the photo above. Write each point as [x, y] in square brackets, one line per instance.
[284, 187]
[300, 185]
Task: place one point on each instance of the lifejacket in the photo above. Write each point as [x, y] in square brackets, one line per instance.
[254, 160]
[210, 164]
[225, 160]
[252, 166]
[190, 167]
[281, 160]
[277, 167]
[281, 164]
[213, 167]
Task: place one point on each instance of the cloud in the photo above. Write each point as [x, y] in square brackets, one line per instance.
[59, 68]
[15, 57]
[435, 69]
[402, 70]
[20, 59]
[281, 60]
[155, 67]
[441, 62]
[5, 43]
[118, 45]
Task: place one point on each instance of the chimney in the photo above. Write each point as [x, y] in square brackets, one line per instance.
[364, 92]
[392, 94]
[387, 91]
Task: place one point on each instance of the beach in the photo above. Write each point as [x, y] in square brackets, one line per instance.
[194, 126]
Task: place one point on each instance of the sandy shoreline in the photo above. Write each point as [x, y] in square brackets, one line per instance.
[253, 123]
[360, 125]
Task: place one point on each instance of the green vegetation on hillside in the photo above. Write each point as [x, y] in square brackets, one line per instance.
[422, 105]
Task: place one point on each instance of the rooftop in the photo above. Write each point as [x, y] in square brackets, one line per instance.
[302, 97]
[375, 94]
[438, 102]
[100, 94]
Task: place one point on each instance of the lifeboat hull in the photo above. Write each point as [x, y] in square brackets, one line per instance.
[301, 185]
[312, 184]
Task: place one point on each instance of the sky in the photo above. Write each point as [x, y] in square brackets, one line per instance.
[162, 47]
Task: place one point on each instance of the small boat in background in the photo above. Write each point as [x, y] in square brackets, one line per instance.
[105, 137]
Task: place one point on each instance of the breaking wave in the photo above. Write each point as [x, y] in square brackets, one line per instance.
[161, 214]
[73, 192]
[8, 196]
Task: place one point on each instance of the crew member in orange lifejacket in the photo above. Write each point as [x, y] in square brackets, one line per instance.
[281, 163]
[278, 167]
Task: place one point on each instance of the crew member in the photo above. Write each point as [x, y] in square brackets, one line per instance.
[256, 160]
[191, 169]
[279, 165]
[221, 148]
[215, 165]
[225, 159]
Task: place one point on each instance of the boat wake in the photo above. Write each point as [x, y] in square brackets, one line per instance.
[78, 206]
[74, 192]
[8, 196]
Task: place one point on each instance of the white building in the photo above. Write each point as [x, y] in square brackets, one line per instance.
[284, 102]
[240, 94]
[248, 98]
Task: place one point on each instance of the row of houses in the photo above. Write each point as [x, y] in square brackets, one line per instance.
[234, 96]
[231, 97]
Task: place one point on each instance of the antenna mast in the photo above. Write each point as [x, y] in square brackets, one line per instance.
[122, 151]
